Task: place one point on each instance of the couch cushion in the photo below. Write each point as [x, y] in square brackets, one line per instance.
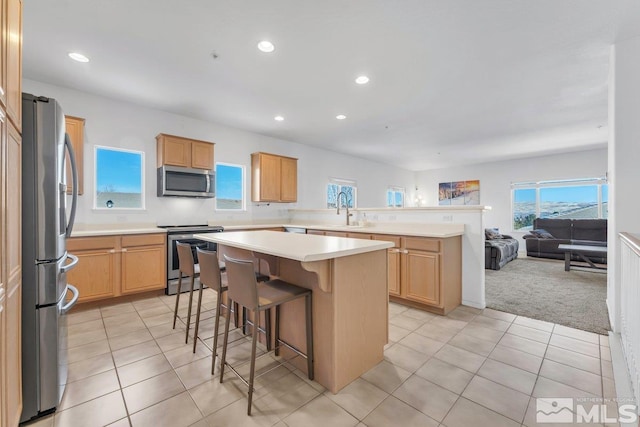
[492, 234]
[559, 228]
[590, 229]
[541, 233]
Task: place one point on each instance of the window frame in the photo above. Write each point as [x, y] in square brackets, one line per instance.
[538, 185]
[243, 187]
[396, 189]
[142, 179]
[341, 182]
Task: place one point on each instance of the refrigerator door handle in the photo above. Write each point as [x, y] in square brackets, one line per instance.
[73, 301]
[74, 189]
[71, 265]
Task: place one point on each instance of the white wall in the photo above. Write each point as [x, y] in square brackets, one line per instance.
[496, 178]
[624, 158]
[117, 124]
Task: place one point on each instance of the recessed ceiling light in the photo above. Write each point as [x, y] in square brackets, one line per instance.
[266, 46]
[278, 118]
[78, 57]
[341, 117]
[362, 80]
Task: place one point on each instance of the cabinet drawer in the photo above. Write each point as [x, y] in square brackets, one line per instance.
[422, 244]
[89, 243]
[386, 238]
[143, 239]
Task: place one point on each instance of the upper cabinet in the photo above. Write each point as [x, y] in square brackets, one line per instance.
[185, 152]
[273, 178]
[11, 94]
[75, 130]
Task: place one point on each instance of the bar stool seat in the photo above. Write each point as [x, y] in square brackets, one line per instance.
[244, 289]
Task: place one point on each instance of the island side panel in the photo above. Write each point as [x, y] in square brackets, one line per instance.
[360, 294]
[292, 323]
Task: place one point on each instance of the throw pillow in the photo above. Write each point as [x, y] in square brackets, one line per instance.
[492, 234]
[542, 234]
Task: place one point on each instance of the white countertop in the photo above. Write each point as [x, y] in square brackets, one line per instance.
[300, 247]
[402, 229]
[88, 230]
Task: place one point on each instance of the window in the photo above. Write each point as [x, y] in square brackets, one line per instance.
[119, 178]
[395, 197]
[571, 199]
[229, 187]
[335, 186]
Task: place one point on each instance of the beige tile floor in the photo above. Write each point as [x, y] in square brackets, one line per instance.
[470, 368]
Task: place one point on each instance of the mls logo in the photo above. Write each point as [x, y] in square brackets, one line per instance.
[554, 410]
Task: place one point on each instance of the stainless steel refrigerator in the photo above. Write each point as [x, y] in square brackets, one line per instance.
[46, 224]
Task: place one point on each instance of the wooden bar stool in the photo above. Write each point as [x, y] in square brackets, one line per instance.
[210, 275]
[189, 268]
[244, 289]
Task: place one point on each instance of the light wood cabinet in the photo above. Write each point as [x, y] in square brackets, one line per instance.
[431, 273]
[142, 255]
[10, 212]
[97, 268]
[274, 178]
[110, 266]
[75, 129]
[393, 262]
[179, 151]
[12, 40]
[11, 273]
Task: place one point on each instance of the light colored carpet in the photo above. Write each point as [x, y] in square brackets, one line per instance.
[542, 290]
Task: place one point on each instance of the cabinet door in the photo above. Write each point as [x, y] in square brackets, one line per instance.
[14, 62]
[269, 178]
[95, 274]
[12, 257]
[393, 272]
[75, 128]
[421, 278]
[176, 151]
[202, 155]
[289, 180]
[3, 74]
[143, 268]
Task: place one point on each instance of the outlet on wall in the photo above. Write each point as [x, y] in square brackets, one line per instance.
[447, 218]
[121, 218]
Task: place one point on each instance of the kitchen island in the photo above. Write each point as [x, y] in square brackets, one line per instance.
[348, 279]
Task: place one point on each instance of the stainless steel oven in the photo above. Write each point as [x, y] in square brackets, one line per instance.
[184, 234]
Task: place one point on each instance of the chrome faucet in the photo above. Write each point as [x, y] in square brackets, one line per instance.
[346, 203]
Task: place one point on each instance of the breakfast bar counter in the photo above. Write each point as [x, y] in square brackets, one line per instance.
[348, 279]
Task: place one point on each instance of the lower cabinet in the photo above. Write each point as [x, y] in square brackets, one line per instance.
[141, 257]
[425, 272]
[110, 266]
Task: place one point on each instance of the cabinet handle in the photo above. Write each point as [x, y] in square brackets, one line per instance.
[124, 250]
[112, 251]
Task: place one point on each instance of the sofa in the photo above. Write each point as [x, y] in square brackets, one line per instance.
[499, 249]
[548, 233]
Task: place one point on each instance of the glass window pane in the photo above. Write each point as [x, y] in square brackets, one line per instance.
[332, 193]
[605, 201]
[350, 196]
[573, 202]
[399, 199]
[389, 198]
[524, 208]
[119, 179]
[229, 187]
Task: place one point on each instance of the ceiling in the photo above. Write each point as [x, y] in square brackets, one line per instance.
[452, 82]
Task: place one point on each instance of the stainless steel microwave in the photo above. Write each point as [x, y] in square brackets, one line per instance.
[186, 182]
